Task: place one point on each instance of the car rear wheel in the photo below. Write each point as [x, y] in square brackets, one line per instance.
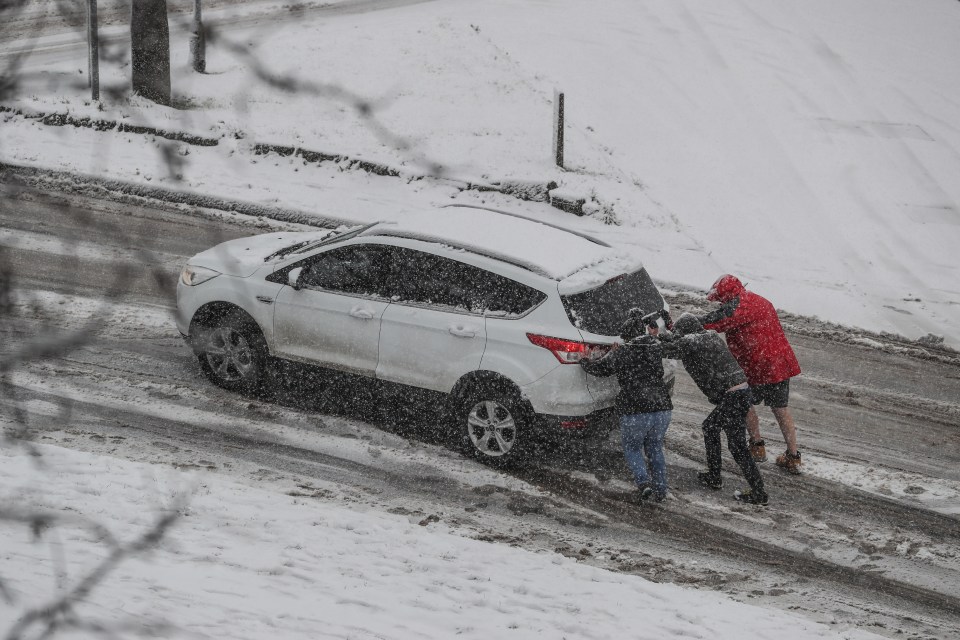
[495, 427]
[233, 354]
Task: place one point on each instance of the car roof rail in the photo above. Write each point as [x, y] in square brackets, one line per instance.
[409, 235]
[513, 214]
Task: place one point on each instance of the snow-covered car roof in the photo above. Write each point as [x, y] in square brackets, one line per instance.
[576, 260]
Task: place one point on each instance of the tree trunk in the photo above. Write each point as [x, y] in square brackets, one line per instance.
[150, 49]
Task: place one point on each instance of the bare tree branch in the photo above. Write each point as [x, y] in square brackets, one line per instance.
[39, 521]
[32, 345]
[47, 619]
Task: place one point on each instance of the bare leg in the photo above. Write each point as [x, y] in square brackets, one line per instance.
[753, 425]
[787, 427]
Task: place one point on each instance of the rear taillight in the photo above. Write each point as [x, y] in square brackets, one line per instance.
[568, 351]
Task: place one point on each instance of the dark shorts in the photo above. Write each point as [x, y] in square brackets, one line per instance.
[774, 395]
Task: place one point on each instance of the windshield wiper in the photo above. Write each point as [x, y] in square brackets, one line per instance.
[287, 250]
[333, 236]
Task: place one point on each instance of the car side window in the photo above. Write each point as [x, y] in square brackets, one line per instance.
[425, 278]
[509, 297]
[357, 269]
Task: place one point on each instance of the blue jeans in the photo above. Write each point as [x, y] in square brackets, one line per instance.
[642, 436]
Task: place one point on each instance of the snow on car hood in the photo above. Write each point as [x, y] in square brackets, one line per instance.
[243, 256]
[594, 275]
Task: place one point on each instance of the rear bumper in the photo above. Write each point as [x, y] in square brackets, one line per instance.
[597, 424]
[563, 391]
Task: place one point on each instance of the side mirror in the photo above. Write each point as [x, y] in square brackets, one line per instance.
[293, 278]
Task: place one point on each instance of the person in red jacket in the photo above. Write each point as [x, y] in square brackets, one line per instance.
[756, 339]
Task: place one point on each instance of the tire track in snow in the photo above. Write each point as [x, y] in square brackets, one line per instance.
[721, 541]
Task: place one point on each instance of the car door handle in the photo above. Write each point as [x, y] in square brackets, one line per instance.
[462, 331]
[361, 312]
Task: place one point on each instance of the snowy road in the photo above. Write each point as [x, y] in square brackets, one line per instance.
[869, 535]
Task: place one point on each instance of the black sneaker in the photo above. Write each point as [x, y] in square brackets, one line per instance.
[750, 497]
[634, 496]
[710, 480]
[649, 495]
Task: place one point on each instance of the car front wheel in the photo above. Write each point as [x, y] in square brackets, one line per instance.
[233, 354]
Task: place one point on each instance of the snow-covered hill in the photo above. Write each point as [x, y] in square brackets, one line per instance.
[813, 148]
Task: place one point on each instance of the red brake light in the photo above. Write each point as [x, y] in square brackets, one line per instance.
[566, 351]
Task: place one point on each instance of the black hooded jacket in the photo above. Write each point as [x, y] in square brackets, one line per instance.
[638, 365]
[705, 356]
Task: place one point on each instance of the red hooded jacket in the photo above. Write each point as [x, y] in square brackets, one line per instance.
[754, 334]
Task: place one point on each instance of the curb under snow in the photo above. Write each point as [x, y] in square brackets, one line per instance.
[527, 190]
[66, 181]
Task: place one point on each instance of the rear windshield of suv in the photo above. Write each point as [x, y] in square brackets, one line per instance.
[604, 309]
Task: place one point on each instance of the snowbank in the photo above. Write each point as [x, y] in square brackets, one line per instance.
[247, 562]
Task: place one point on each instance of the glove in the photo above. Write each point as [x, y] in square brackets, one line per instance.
[726, 310]
[730, 306]
[651, 319]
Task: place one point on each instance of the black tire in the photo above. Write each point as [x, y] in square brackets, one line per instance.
[233, 353]
[496, 425]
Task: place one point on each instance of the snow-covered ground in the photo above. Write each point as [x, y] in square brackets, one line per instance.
[251, 562]
[809, 147]
[259, 554]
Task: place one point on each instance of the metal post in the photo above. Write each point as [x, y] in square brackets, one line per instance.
[558, 127]
[198, 44]
[93, 46]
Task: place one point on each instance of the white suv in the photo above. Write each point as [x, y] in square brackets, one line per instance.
[491, 309]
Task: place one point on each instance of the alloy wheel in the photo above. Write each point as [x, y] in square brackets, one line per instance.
[229, 354]
[491, 428]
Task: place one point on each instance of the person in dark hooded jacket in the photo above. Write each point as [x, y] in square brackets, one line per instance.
[717, 374]
[643, 403]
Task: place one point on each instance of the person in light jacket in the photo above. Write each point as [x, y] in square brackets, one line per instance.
[714, 370]
[643, 403]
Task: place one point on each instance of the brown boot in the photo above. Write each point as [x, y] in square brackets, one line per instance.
[758, 450]
[790, 461]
